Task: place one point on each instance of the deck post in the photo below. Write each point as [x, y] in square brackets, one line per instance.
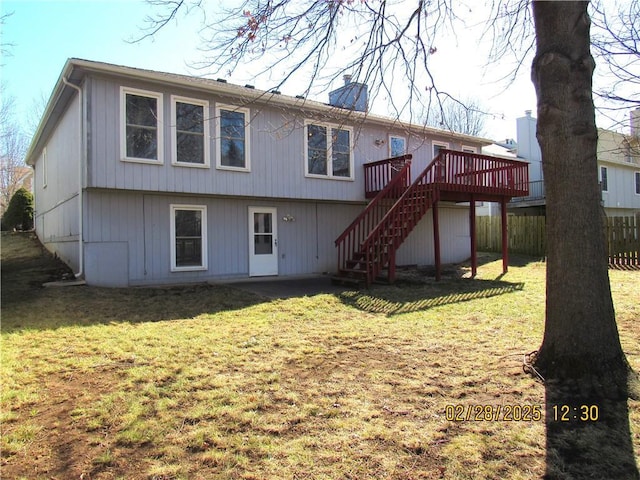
[505, 238]
[472, 228]
[436, 239]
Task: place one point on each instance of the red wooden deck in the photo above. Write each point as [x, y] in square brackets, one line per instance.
[369, 244]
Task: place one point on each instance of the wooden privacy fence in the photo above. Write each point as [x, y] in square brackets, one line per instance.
[527, 236]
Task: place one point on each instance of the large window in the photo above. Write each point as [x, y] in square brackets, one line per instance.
[397, 146]
[188, 237]
[637, 183]
[603, 179]
[141, 125]
[329, 152]
[232, 138]
[190, 126]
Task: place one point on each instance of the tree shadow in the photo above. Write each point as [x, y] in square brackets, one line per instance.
[407, 297]
[587, 437]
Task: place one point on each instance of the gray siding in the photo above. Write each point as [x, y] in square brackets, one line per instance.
[127, 236]
[621, 192]
[56, 188]
[276, 144]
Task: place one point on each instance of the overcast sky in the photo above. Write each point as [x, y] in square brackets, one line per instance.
[42, 35]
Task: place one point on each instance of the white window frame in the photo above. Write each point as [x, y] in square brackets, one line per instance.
[469, 149]
[329, 175]
[398, 137]
[204, 245]
[123, 125]
[606, 170]
[205, 129]
[435, 143]
[247, 138]
[636, 179]
[44, 167]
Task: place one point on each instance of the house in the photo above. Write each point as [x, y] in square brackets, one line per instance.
[144, 177]
[618, 169]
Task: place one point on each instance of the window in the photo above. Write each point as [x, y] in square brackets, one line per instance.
[437, 146]
[190, 127]
[466, 149]
[328, 151]
[637, 183]
[397, 146]
[188, 237]
[141, 130]
[232, 134]
[603, 179]
[44, 168]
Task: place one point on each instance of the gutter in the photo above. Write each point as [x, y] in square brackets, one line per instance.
[80, 272]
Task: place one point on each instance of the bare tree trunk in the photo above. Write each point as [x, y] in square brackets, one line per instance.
[581, 338]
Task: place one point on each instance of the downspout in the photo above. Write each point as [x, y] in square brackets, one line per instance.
[80, 272]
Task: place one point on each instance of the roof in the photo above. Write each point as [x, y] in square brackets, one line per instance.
[76, 69]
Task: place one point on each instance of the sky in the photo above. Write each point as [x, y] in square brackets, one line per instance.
[41, 35]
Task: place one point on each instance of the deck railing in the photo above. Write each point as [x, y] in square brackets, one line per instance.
[378, 174]
[476, 173]
[536, 192]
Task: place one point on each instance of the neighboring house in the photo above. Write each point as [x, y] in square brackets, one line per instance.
[143, 177]
[618, 170]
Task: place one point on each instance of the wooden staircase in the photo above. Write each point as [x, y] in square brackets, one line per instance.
[368, 246]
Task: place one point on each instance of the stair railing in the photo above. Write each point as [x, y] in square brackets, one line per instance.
[350, 240]
[380, 246]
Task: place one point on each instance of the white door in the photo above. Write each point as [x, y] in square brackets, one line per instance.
[263, 241]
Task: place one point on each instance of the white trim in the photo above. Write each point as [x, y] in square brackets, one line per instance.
[469, 149]
[247, 140]
[203, 235]
[329, 175]
[205, 128]
[404, 139]
[123, 125]
[437, 143]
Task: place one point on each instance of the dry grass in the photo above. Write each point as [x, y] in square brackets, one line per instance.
[209, 382]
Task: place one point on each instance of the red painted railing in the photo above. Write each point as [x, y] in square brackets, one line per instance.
[369, 244]
[379, 248]
[378, 174]
[349, 242]
[476, 173]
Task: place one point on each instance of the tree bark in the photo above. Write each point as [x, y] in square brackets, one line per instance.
[581, 338]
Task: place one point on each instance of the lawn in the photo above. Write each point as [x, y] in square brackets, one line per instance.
[211, 382]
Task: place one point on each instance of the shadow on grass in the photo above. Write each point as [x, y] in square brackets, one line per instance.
[587, 438]
[407, 298]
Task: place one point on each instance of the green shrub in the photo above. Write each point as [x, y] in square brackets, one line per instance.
[19, 214]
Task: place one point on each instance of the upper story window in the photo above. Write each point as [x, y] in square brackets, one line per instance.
[397, 146]
[437, 146]
[329, 151]
[190, 127]
[603, 179]
[232, 138]
[637, 183]
[141, 125]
